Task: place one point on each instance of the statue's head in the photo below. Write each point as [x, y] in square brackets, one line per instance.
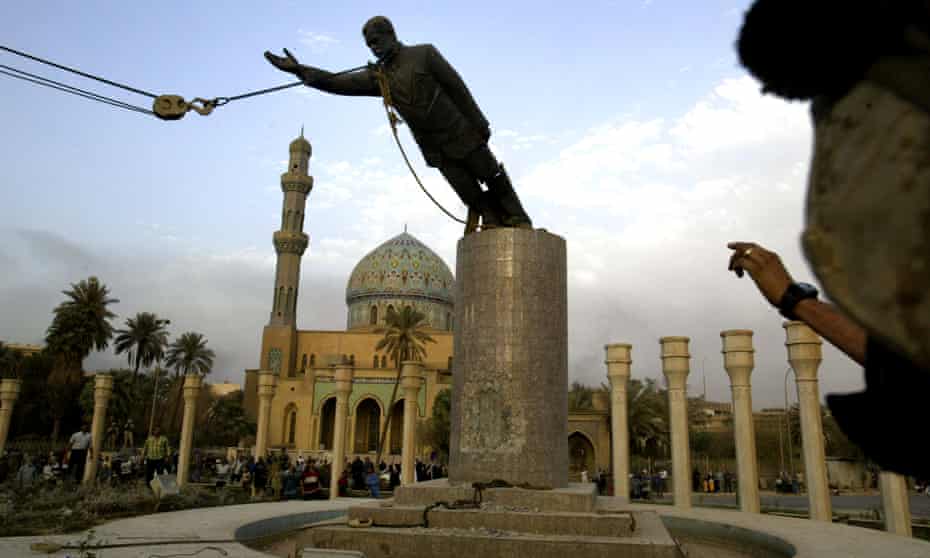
[380, 37]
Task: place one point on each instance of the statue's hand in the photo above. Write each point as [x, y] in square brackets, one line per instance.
[285, 63]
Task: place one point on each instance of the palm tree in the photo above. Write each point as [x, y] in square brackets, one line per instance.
[403, 339]
[188, 354]
[80, 325]
[143, 340]
[648, 414]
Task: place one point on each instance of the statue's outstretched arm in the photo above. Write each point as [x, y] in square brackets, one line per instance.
[453, 84]
[353, 83]
[360, 83]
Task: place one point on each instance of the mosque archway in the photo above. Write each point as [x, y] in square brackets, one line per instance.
[367, 425]
[327, 423]
[580, 454]
[397, 428]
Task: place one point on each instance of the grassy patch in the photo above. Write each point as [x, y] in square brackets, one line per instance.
[68, 508]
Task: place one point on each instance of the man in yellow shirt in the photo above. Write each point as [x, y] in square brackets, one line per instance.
[155, 452]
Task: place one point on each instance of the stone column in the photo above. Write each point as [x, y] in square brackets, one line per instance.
[410, 380]
[343, 376]
[103, 388]
[267, 381]
[895, 503]
[9, 392]
[618, 373]
[510, 386]
[192, 383]
[738, 361]
[804, 356]
[675, 366]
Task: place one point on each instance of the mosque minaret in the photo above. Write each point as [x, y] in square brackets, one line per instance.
[290, 241]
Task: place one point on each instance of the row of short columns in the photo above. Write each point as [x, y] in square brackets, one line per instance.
[103, 390]
[410, 384]
[804, 355]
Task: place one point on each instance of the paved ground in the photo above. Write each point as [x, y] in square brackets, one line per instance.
[212, 532]
[182, 533]
[920, 504]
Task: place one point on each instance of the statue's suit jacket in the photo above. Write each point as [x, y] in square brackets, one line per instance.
[430, 97]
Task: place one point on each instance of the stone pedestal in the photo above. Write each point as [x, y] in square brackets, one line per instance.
[192, 384]
[267, 382]
[510, 373]
[343, 376]
[895, 503]
[103, 388]
[410, 380]
[675, 366]
[9, 392]
[738, 361]
[804, 355]
[618, 373]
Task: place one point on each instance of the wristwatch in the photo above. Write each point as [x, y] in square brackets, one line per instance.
[795, 293]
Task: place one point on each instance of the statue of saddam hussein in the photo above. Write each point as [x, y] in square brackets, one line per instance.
[442, 115]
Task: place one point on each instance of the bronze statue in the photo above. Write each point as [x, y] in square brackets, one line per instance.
[445, 120]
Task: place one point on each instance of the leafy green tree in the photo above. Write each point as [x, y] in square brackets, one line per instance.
[80, 325]
[227, 422]
[403, 338]
[188, 354]
[122, 399]
[437, 429]
[144, 340]
[32, 414]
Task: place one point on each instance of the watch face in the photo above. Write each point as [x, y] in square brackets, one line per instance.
[807, 290]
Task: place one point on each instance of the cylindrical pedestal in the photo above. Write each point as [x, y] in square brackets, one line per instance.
[618, 373]
[738, 361]
[103, 388]
[410, 380]
[9, 392]
[804, 356]
[895, 503]
[267, 381]
[510, 380]
[343, 376]
[675, 366]
[192, 383]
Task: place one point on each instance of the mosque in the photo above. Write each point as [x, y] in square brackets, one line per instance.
[400, 272]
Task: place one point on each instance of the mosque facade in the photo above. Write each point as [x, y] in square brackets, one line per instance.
[400, 272]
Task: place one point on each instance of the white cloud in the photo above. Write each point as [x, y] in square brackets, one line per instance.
[315, 40]
[647, 206]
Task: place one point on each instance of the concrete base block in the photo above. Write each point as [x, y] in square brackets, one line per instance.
[493, 517]
[378, 542]
[574, 498]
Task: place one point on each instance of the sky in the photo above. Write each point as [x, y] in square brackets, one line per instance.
[628, 127]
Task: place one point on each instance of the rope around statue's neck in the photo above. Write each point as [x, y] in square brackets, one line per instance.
[393, 120]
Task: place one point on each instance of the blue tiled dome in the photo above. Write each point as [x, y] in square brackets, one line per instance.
[401, 267]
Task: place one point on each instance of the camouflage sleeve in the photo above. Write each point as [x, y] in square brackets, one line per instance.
[360, 83]
[455, 87]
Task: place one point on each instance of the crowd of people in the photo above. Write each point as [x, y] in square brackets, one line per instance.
[712, 482]
[274, 475]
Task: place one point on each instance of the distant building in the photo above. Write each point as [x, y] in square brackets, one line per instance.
[24, 348]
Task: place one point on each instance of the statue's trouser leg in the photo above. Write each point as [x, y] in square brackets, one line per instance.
[468, 190]
[482, 163]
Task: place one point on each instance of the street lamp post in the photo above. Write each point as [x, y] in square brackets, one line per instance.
[788, 426]
[155, 390]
